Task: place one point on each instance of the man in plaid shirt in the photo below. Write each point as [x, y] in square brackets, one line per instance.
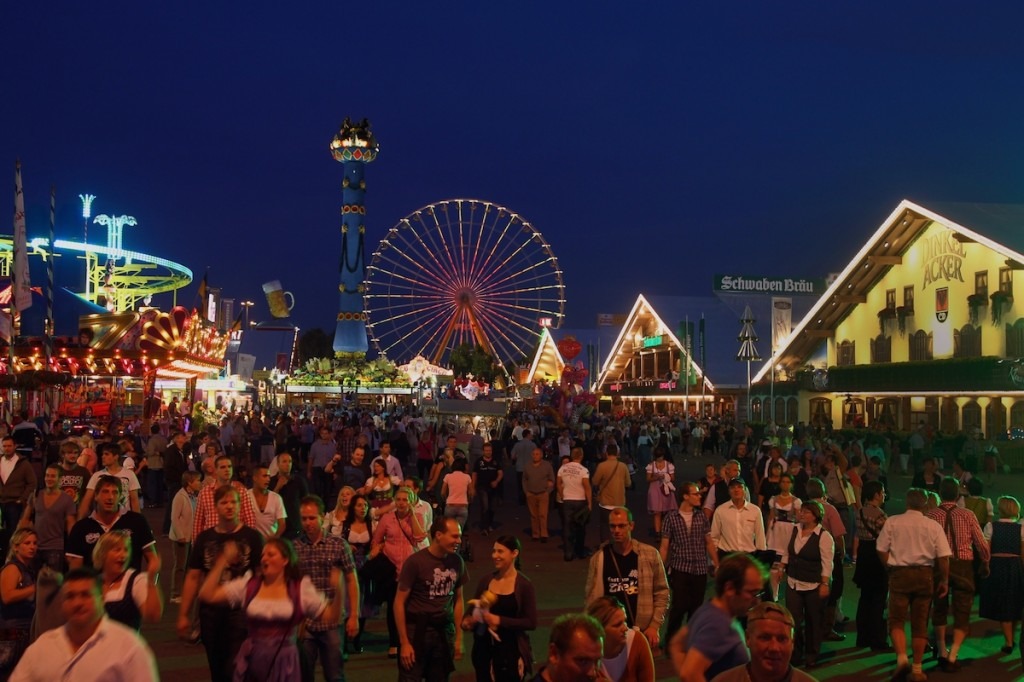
[965, 537]
[206, 508]
[686, 546]
[326, 559]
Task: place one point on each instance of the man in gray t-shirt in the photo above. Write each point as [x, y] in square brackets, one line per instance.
[428, 604]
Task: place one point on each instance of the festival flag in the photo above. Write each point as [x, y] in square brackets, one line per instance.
[20, 275]
[236, 326]
[782, 321]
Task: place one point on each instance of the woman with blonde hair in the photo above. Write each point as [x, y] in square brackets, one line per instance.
[627, 655]
[129, 596]
[88, 457]
[334, 520]
[17, 597]
[1002, 593]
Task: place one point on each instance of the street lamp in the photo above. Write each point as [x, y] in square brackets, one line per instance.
[247, 305]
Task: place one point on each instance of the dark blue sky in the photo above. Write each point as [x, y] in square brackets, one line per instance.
[653, 146]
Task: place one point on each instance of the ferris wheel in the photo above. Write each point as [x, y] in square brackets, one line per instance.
[462, 271]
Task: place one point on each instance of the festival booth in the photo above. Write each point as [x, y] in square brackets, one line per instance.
[113, 365]
[642, 371]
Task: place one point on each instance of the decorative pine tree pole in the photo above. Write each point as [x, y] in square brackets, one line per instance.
[748, 351]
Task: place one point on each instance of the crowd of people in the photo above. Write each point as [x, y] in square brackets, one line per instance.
[288, 534]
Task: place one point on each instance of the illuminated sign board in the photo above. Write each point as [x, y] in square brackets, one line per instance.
[652, 341]
[743, 284]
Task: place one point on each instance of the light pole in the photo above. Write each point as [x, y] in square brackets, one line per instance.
[247, 305]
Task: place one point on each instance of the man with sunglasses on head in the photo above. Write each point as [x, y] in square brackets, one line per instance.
[770, 639]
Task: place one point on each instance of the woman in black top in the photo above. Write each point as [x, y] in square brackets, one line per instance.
[501, 642]
[17, 597]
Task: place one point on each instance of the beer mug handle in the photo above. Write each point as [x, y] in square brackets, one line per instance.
[291, 300]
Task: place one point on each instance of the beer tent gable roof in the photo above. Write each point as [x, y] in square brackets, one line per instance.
[999, 227]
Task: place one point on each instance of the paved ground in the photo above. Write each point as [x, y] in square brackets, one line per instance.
[560, 589]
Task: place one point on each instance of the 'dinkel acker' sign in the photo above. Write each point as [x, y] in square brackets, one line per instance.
[742, 284]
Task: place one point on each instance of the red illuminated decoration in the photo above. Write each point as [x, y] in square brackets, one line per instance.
[569, 347]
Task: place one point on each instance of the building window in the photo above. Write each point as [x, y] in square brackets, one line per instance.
[846, 354]
[792, 411]
[920, 346]
[1015, 339]
[881, 349]
[981, 283]
[821, 412]
[908, 298]
[1017, 416]
[890, 299]
[971, 416]
[1006, 281]
[967, 342]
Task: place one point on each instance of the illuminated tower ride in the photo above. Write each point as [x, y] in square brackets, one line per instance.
[353, 146]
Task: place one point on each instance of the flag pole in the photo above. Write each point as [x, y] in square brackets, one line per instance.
[49, 392]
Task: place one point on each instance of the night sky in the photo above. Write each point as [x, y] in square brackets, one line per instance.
[653, 144]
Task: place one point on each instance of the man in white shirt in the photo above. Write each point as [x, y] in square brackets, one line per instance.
[266, 505]
[915, 550]
[737, 526]
[575, 493]
[89, 646]
[110, 458]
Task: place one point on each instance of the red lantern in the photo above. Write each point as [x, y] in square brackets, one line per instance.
[569, 347]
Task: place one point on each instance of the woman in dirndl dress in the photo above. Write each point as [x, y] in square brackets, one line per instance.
[275, 604]
[1002, 592]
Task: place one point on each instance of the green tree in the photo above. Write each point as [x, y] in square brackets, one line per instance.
[315, 344]
[483, 365]
[461, 359]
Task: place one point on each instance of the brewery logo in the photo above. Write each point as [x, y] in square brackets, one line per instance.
[942, 304]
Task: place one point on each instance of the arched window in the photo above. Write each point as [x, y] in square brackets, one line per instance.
[846, 353]
[821, 412]
[1017, 416]
[1015, 339]
[881, 348]
[967, 342]
[995, 417]
[792, 410]
[755, 409]
[920, 345]
[970, 416]
[779, 412]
